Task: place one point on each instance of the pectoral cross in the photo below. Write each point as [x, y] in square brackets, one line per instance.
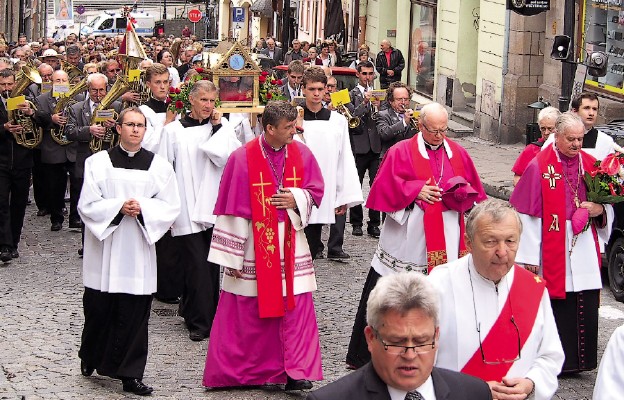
[262, 184]
[294, 179]
[552, 176]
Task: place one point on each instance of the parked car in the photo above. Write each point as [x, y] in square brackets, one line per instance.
[345, 76]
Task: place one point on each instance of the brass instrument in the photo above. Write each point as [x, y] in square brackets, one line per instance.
[30, 136]
[62, 104]
[111, 138]
[413, 123]
[375, 109]
[353, 122]
[72, 71]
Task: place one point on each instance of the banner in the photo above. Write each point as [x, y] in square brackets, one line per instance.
[64, 12]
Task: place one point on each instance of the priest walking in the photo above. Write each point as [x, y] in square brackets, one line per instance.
[551, 198]
[129, 200]
[265, 330]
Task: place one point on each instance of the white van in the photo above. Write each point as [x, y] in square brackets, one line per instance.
[106, 24]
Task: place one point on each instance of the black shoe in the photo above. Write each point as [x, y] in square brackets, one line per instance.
[5, 255]
[319, 255]
[42, 213]
[136, 386]
[197, 336]
[85, 369]
[339, 256]
[357, 231]
[168, 300]
[75, 224]
[297, 384]
[373, 231]
[14, 253]
[56, 226]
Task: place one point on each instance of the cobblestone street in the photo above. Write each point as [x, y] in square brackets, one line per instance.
[41, 322]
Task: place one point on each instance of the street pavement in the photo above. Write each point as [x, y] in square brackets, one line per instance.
[41, 315]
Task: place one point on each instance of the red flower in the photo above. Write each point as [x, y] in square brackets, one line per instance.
[168, 100]
[199, 70]
[177, 91]
[179, 105]
[172, 90]
[273, 81]
[610, 165]
[264, 73]
[262, 79]
[593, 173]
[205, 78]
[612, 189]
[269, 96]
[279, 82]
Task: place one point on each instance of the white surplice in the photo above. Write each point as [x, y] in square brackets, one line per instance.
[582, 266]
[155, 122]
[329, 142]
[604, 146]
[122, 258]
[610, 379]
[198, 158]
[541, 356]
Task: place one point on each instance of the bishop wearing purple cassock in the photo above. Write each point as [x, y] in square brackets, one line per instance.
[561, 232]
[265, 329]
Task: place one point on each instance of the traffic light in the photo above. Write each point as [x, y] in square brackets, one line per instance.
[597, 63]
[561, 47]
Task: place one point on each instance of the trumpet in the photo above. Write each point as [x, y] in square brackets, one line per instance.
[413, 123]
[374, 108]
[111, 138]
[353, 122]
[30, 136]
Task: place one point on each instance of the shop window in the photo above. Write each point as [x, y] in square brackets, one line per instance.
[603, 28]
[421, 61]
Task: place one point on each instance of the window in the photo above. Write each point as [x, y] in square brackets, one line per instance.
[603, 30]
[106, 24]
[422, 46]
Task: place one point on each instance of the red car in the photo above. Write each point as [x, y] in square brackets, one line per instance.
[345, 76]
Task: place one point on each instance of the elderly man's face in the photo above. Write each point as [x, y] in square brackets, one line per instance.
[384, 45]
[51, 61]
[97, 90]
[271, 44]
[21, 54]
[434, 128]
[45, 71]
[296, 46]
[73, 59]
[202, 104]
[547, 126]
[494, 246]
[409, 370]
[570, 141]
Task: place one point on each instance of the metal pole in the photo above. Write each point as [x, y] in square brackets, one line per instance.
[164, 17]
[568, 67]
[285, 26]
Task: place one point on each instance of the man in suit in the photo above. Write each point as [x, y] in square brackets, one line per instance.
[402, 336]
[296, 53]
[394, 123]
[389, 63]
[272, 51]
[57, 159]
[292, 87]
[15, 165]
[365, 142]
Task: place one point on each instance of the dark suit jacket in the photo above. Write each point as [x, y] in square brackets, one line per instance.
[277, 54]
[391, 129]
[51, 152]
[12, 155]
[77, 130]
[365, 384]
[364, 138]
[397, 64]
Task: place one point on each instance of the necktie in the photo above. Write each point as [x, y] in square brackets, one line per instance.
[414, 395]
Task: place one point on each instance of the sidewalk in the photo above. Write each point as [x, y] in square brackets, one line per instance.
[493, 162]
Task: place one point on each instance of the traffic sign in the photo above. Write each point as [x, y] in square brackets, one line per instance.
[194, 15]
[80, 9]
[238, 14]
[80, 19]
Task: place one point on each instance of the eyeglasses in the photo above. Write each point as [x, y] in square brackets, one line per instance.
[396, 350]
[547, 129]
[132, 125]
[436, 131]
[367, 73]
[115, 70]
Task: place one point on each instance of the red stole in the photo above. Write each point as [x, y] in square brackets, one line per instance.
[266, 232]
[433, 221]
[554, 219]
[500, 343]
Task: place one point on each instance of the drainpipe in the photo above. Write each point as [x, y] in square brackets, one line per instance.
[505, 70]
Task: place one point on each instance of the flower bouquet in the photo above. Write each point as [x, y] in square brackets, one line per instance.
[604, 186]
[270, 88]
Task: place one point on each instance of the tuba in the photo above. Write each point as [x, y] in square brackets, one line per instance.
[31, 136]
[62, 104]
[111, 138]
[73, 72]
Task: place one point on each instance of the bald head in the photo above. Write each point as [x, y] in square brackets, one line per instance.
[60, 76]
[385, 45]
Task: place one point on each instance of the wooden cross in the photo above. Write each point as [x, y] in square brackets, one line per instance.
[552, 176]
[262, 184]
[294, 178]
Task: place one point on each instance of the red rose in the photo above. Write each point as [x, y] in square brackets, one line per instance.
[262, 79]
[269, 96]
[205, 78]
[172, 90]
[273, 81]
[610, 165]
[168, 100]
[279, 82]
[199, 70]
[179, 105]
[264, 73]
[178, 91]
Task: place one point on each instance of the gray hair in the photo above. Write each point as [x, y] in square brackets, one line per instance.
[401, 293]
[72, 50]
[495, 209]
[548, 112]
[432, 108]
[202, 86]
[96, 76]
[567, 120]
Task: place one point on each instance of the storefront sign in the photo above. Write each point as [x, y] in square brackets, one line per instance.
[528, 7]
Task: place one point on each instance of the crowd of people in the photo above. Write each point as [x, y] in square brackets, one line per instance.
[466, 298]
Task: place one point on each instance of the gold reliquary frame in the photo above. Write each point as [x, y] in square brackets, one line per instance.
[236, 75]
